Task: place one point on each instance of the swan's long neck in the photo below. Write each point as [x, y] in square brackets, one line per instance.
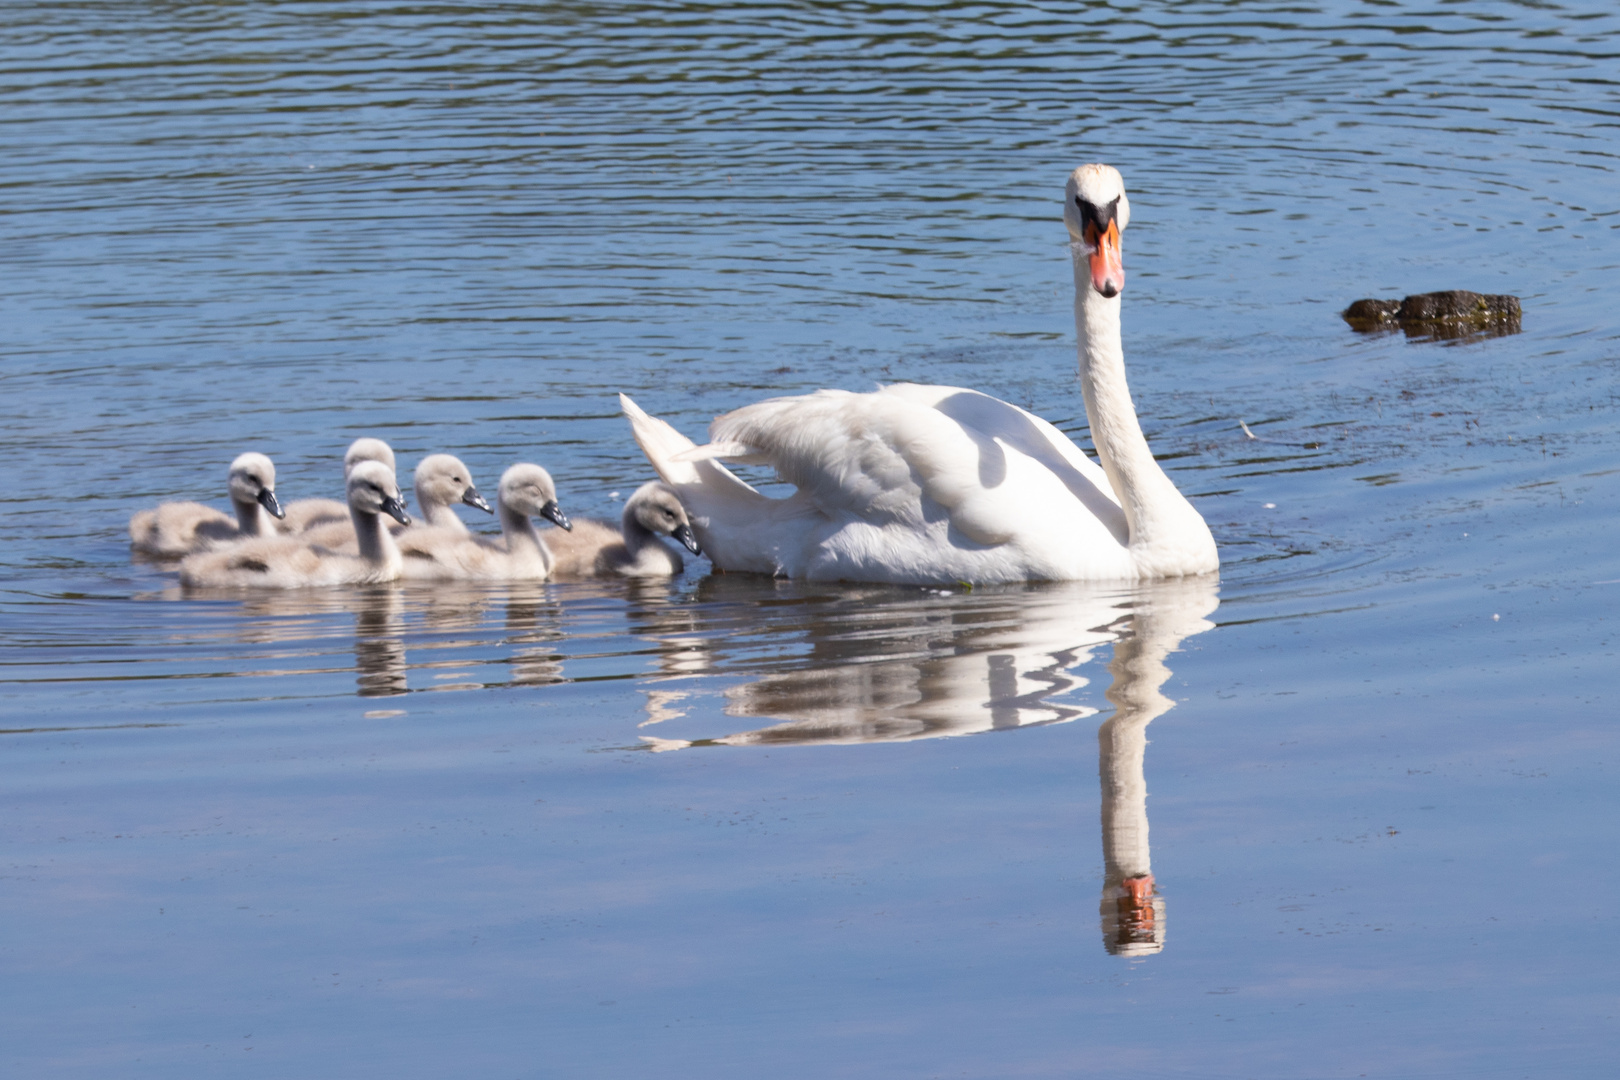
[1159, 518]
[523, 539]
[636, 535]
[252, 519]
[434, 512]
[376, 543]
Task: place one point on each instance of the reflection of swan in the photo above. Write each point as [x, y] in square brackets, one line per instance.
[379, 643]
[938, 484]
[896, 671]
[1132, 911]
[291, 562]
[533, 622]
[929, 666]
[175, 529]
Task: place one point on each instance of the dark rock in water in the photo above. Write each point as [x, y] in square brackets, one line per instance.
[1372, 314]
[1452, 314]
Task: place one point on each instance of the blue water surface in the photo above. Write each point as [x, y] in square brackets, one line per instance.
[732, 827]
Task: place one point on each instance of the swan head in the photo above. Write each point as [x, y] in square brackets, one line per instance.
[1096, 211]
[658, 509]
[367, 449]
[372, 490]
[253, 480]
[443, 479]
[528, 490]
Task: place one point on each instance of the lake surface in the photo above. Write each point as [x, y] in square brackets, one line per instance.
[732, 827]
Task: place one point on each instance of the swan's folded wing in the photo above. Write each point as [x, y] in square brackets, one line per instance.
[877, 457]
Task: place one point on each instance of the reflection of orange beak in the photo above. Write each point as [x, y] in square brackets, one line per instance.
[1107, 265]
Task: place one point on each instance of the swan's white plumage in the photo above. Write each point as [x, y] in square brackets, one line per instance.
[920, 484]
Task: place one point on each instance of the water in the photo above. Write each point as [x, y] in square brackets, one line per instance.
[711, 828]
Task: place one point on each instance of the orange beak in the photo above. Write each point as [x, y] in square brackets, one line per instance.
[1107, 265]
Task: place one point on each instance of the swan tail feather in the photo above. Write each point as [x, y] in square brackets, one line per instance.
[738, 528]
[698, 479]
[729, 451]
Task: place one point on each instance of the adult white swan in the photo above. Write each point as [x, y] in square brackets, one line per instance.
[920, 484]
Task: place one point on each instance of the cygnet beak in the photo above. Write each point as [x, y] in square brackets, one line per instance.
[267, 499]
[1107, 264]
[553, 513]
[395, 509]
[472, 498]
[683, 533]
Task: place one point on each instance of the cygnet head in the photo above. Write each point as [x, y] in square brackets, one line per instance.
[528, 490]
[253, 480]
[367, 449]
[443, 479]
[372, 490]
[1096, 211]
[656, 508]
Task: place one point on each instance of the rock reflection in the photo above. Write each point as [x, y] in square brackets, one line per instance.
[905, 670]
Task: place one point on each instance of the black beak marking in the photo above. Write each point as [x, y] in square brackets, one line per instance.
[684, 534]
[554, 514]
[1097, 216]
[395, 509]
[267, 499]
[472, 498]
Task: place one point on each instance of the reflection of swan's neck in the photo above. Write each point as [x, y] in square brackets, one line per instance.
[379, 647]
[1122, 747]
[1132, 912]
[1155, 511]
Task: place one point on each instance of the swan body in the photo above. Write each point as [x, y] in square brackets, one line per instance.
[597, 549]
[443, 554]
[290, 562]
[306, 514]
[938, 484]
[176, 529]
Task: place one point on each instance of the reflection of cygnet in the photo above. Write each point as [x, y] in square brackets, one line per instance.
[291, 562]
[595, 548]
[304, 514]
[440, 554]
[175, 529]
[441, 481]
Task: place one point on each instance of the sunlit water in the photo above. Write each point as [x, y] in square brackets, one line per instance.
[729, 827]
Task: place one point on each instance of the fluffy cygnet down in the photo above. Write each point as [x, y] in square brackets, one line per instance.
[176, 529]
[597, 549]
[442, 554]
[306, 514]
[291, 562]
[441, 481]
